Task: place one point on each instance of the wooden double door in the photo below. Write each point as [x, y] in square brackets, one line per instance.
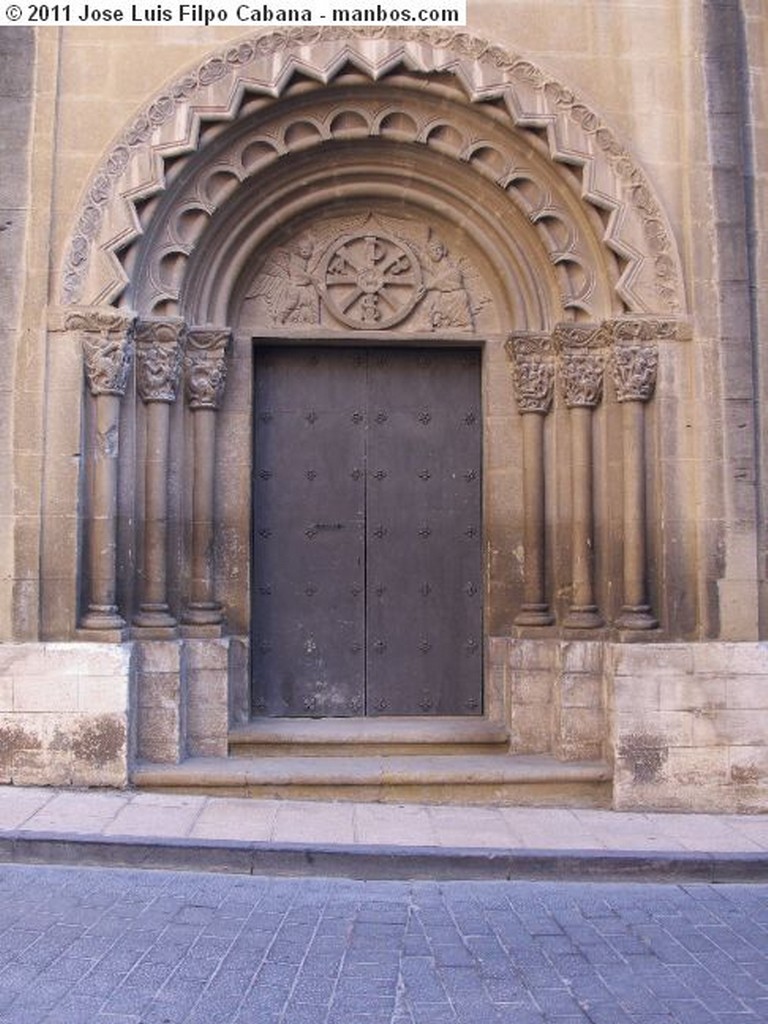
[367, 532]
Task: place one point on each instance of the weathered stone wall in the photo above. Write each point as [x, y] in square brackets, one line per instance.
[64, 714]
[688, 726]
[554, 696]
[17, 106]
[683, 724]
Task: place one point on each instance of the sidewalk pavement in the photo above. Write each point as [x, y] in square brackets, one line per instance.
[367, 840]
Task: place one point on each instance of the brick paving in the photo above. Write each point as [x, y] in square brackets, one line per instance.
[107, 946]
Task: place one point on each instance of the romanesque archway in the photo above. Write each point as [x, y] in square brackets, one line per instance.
[247, 180]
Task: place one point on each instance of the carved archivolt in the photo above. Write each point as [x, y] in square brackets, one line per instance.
[523, 98]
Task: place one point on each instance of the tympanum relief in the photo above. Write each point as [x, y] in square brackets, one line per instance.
[370, 273]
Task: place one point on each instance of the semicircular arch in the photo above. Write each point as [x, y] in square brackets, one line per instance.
[569, 186]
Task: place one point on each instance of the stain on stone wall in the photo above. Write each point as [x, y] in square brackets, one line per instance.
[14, 739]
[745, 774]
[99, 741]
[645, 754]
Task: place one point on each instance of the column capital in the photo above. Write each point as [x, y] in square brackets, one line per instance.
[582, 349]
[533, 370]
[159, 352]
[635, 368]
[205, 366]
[106, 337]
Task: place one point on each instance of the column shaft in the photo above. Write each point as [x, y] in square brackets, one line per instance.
[101, 571]
[206, 372]
[203, 609]
[154, 610]
[535, 609]
[583, 613]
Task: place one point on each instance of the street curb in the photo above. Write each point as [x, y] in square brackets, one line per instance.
[378, 862]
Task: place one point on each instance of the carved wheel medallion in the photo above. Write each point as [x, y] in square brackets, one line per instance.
[371, 281]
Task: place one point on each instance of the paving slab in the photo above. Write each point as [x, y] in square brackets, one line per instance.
[369, 840]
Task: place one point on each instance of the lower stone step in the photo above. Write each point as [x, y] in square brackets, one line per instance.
[342, 737]
[460, 779]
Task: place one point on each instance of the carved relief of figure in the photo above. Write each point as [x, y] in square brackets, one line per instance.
[446, 302]
[288, 288]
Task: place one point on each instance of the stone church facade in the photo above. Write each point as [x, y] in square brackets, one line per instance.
[384, 410]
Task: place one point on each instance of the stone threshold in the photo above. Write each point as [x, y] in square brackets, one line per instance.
[427, 778]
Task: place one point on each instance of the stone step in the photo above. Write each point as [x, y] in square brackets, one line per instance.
[433, 779]
[345, 737]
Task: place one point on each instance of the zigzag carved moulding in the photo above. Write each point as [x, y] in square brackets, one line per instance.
[637, 229]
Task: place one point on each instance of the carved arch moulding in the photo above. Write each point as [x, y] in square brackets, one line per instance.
[579, 189]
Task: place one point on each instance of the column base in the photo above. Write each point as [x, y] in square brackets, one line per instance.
[154, 616]
[102, 617]
[583, 617]
[203, 613]
[215, 632]
[637, 616]
[534, 615]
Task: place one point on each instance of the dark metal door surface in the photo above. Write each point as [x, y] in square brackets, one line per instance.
[367, 591]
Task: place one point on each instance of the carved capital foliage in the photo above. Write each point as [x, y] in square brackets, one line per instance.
[159, 350]
[581, 348]
[106, 337]
[205, 366]
[533, 371]
[634, 372]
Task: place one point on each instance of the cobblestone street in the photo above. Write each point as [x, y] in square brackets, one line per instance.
[127, 947]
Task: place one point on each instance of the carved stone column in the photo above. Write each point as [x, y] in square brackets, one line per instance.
[533, 375]
[582, 362]
[205, 374]
[107, 343]
[635, 361]
[158, 370]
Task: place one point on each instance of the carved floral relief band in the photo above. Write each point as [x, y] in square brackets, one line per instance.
[635, 362]
[533, 374]
[581, 349]
[106, 338]
[205, 371]
[158, 371]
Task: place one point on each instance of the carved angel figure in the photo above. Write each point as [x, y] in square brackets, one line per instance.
[447, 302]
[288, 288]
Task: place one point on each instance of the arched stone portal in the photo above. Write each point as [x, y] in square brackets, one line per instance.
[421, 192]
